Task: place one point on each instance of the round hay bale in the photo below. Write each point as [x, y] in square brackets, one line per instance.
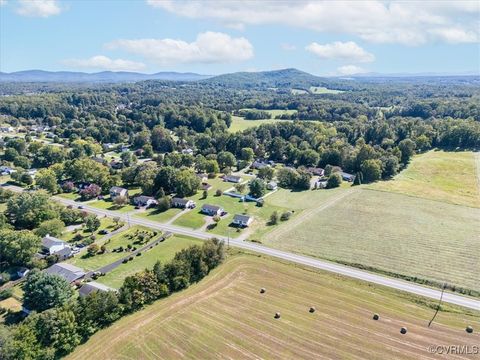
[469, 329]
[376, 316]
[403, 330]
[262, 290]
[312, 309]
[277, 315]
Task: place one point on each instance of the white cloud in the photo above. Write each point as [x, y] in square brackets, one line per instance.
[347, 51]
[38, 8]
[288, 47]
[350, 70]
[105, 63]
[208, 47]
[405, 22]
[3, 2]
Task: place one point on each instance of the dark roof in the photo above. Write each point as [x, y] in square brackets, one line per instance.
[92, 286]
[232, 177]
[143, 198]
[241, 218]
[182, 201]
[65, 252]
[210, 207]
[49, 241]
[67, 271]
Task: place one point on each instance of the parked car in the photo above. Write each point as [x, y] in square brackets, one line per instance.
[80, 207]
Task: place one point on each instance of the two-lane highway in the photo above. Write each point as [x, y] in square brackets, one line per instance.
[300, 259]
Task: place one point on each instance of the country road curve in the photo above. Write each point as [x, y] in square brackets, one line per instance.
[393, 283]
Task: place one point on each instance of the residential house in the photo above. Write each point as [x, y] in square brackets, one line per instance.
[22, 272]
[187, 151]
[6, 170]
[52, 245]
[347, 177]
[69, 272]
[272, 185]
[109, 146]
[116, 191]
[212, 210]
[259, 165]
[93, 286]
[146, 201]
[316, 171]
[242, 220]
[182, 203]
[321, 184]
[203, 177]
[232, 178]
[32, 172]
[6, 129]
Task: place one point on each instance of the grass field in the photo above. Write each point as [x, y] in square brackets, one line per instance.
[155, 215]
[105, 224]
[226, 317]
[439, 175]
[240, 124]
[164, 252]
[100, 260]
[324, 90]
[392, 232]
[106, 204]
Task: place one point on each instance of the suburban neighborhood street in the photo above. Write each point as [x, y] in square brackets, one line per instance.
[300, 259]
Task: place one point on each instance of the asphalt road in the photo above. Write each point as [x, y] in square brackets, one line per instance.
[413, 288]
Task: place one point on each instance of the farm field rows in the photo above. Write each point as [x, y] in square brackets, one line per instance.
[225, 316]
[439, 175]
[393, 232]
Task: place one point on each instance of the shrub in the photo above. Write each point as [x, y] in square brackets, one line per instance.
[286, 216]
[218, 192]
[6, 293]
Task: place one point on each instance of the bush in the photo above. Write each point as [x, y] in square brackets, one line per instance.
[6, 293]
[218, 192]
[334, 180]
[286, 216]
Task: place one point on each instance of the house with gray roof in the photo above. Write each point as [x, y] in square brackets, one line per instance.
[212, 210]
[242, 220]
[93, 286]
[69, 272]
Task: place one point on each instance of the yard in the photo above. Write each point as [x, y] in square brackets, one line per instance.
[392, 232]
[123, 239]
[324, 90]
[163, 252]
[225, 316]
[195, 220]
[107, 204]
[105, 224]
[438, 175]
[159, 216]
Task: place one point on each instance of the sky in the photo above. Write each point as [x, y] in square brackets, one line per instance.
[213, 37]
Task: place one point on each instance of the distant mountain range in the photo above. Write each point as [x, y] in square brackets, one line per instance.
[285, 78]
[104, 76]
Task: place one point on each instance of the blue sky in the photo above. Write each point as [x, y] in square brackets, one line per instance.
[324, 38]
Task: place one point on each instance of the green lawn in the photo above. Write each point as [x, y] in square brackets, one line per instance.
[164, 252]
[71, 196]
[240, 124]
[155, 215]
[393, 232]
[194, 219]
[106, 204]
[105, 224]
[324, 90]
[438, 175]
[97, 261]
[299, 200]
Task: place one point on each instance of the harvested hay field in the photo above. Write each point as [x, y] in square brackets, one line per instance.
[226, 316]
[395, 233]
[452, 177]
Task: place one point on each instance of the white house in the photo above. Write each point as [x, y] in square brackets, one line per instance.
[272, 185]
[118, 191]
[187, 151]
[182, 203]
[212, 210]
[146, 201]
[232, 178]
[5, 170]
[52, 245]
[242, 220]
